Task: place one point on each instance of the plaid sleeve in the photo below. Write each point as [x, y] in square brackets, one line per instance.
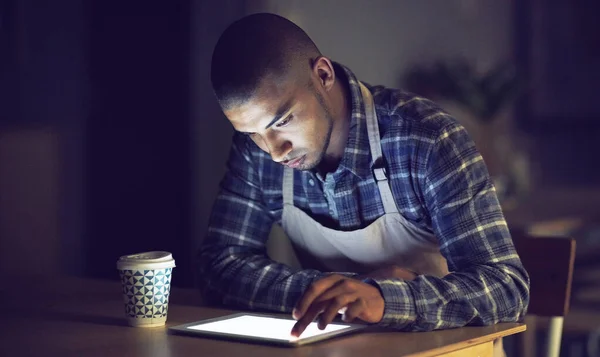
[487, 283]
[234, 269]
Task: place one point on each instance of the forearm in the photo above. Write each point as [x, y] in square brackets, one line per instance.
[482, 295]
[239, 277]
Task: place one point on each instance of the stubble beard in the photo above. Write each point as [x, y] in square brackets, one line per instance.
[323, 152]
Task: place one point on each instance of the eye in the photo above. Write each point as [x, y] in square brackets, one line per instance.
[285, 121]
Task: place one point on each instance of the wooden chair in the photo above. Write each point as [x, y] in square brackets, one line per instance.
[549, 262]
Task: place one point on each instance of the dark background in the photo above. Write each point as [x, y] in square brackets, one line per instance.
[137, 137]
[105, 86]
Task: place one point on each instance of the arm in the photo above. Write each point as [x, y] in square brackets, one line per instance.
[487, 283]
[233, 265]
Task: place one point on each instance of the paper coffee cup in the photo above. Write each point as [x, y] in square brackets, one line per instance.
[146, 282]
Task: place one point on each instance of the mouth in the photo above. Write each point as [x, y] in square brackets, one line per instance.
[295, 162]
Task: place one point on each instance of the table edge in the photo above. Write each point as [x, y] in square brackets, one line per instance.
[469, 343]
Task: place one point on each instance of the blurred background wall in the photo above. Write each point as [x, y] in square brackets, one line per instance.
[381, 40]
[95, 139]
[44, 109]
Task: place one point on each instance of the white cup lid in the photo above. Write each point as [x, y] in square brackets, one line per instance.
[152, 260]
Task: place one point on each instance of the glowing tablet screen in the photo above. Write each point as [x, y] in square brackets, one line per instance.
[264, 327]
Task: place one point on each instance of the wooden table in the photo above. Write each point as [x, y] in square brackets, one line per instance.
[83, 317]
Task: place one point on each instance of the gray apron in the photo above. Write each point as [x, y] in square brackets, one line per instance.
[391, 239]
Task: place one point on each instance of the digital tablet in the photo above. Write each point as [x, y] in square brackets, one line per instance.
[263, 328]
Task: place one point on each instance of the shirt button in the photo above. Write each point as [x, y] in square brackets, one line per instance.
[311, 182]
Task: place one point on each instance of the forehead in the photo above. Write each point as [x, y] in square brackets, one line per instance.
[269, 100]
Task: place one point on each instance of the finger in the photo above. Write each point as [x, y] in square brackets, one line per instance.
[313, 311]
[334, 299]
[333, 307]
[314, 291]
[317, 306]
[354, 310]
[342, 287]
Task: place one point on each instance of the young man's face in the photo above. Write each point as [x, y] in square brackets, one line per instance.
[291, 121]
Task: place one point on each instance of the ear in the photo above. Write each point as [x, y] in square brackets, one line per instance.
[322, 69]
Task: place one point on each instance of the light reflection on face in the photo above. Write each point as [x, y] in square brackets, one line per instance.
[291, 122]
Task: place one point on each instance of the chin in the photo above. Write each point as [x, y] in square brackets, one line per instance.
[304, 168]
[308, 166]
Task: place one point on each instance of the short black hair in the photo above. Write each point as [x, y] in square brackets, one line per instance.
[252, 48]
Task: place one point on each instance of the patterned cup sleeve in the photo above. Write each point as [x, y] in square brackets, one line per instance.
[146, 292]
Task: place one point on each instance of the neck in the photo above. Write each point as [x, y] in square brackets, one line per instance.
[340, 105]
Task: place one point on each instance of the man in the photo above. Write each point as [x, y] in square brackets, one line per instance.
[388, 204]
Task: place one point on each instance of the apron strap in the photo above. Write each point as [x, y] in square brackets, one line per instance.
[389, 205]
[288, 186]
[379, 172]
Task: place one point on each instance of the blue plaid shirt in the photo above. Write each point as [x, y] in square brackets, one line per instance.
[440, 183]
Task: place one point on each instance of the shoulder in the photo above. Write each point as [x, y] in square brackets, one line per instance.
[413, 129]
[404, 113]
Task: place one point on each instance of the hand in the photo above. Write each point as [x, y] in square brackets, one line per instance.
[329, 295]
[390, 272]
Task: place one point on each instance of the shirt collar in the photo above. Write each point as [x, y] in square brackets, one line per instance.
[357, 154]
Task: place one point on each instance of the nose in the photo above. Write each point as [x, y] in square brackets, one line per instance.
[279, 149]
